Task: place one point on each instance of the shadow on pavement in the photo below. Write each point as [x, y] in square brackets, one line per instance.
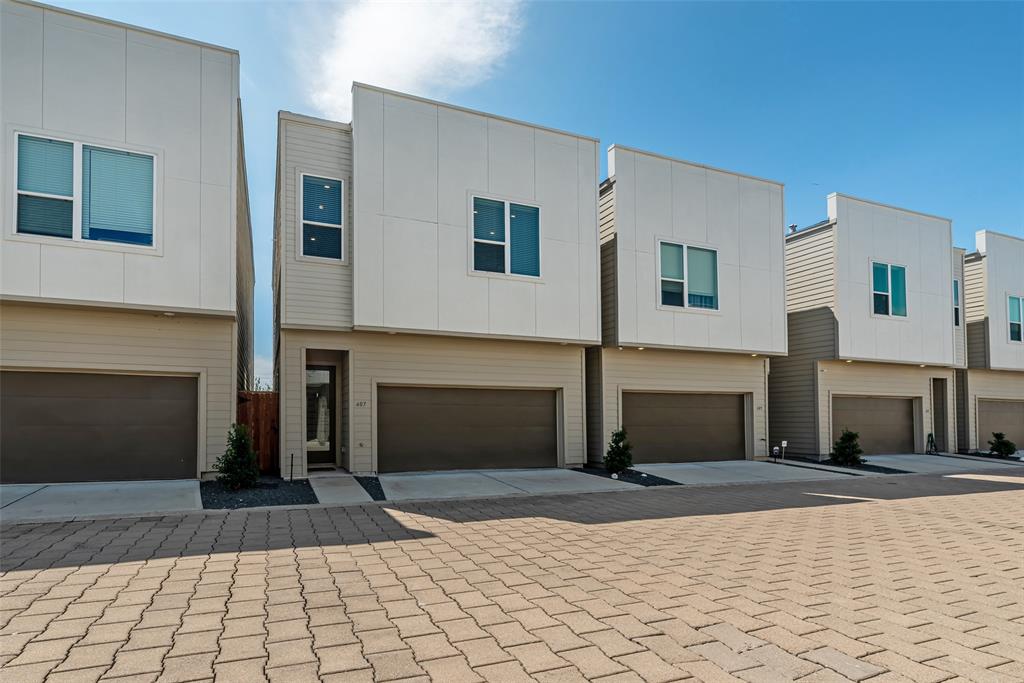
[342, 529]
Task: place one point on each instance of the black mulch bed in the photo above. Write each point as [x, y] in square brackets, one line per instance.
[629, 476]
[269, 491]
[878, 469]
[373, 487]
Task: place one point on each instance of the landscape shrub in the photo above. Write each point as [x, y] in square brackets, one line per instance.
[620, 453]
[238, 468]
[1001, 446]
[846, 451]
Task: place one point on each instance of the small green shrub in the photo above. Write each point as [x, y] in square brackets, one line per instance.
[238, 467]
[620, 453]
[846, 451]
[1001, 446]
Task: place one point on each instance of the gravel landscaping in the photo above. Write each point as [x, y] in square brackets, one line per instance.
[372, 486]
[629, 476]
[269, 491]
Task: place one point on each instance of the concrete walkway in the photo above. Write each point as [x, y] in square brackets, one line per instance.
[338, 488]
[41, 502]
[938, 464]
[735, 472]
[480, 483]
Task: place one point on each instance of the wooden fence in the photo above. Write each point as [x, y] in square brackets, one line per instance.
[258, 411]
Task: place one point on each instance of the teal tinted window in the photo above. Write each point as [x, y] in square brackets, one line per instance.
[321, 200]
[880, 277]
[702, 266]
[672, 261]
[488, 220]
[1016, 315]
[524, 249]
[117, 196]
[45, 166]
[898, 280]
[44, 216]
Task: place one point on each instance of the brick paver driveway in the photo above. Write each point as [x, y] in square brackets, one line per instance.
[890, 579]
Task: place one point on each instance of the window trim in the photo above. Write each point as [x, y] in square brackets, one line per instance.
[1020, 305]
[76, 240]
[871, 290]
[300, 182]
[958, 308]
[508, 202]
[686, 307]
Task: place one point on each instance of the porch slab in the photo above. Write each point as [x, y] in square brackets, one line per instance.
[338, 489]
[51, 502]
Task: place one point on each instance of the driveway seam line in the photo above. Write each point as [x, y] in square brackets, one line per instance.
[44, 486]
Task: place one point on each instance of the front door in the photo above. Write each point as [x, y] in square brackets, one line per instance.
[321, 436]
[939, 413]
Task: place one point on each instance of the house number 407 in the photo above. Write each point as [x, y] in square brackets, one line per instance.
[360, 404]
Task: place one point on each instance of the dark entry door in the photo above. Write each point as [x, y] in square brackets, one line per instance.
[321, 436]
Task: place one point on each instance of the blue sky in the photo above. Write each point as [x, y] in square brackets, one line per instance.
[915, 104]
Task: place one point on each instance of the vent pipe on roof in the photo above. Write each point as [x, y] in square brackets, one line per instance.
[792, 228]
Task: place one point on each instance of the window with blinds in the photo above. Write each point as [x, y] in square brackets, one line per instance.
[45, 187]
[114, 192]
[687, 276]
[322, 211]
[506, 237]
[117, 196]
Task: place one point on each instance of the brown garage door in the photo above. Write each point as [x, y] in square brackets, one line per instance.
[1000, 416]
[59, 427]
[423, 428]
[885, 425]
[665, 427]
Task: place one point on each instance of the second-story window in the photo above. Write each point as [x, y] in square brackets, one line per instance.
[956, 303]
[889, 289]
[113, 198]
[1016, 315]
[45, 187]
[506, 237]
[688, 276]
[322, 231]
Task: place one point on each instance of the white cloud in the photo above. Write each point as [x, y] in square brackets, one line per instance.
[428, 49]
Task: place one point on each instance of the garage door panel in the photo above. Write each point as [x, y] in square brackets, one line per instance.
[60, 427]
[429, 428]
[885, 425]
[1000, 416]
[678, 427]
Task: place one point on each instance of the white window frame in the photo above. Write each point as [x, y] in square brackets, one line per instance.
[507, 243]
[76, 238]
[686, 278]
[958, 301]
[302, 223]
[1020, 304]
[888, 274]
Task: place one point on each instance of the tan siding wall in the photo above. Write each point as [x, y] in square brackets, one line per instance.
[960, 333]
[595, 419]
[812, 327]
[244, 272]
[987, 384]
[685, 371]
[811, 270]
[43, 337]
[313, 292]
[609, 264]
[378, 358]
[837, 378]
[792, 385]
[975, 313]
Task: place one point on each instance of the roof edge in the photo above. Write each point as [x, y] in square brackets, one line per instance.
[635, 150]
[477, 112]
[125, 25]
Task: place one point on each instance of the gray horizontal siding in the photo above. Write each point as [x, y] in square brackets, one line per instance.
[609, 264]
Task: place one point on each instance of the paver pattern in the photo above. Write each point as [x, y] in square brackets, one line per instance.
[913, 578]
